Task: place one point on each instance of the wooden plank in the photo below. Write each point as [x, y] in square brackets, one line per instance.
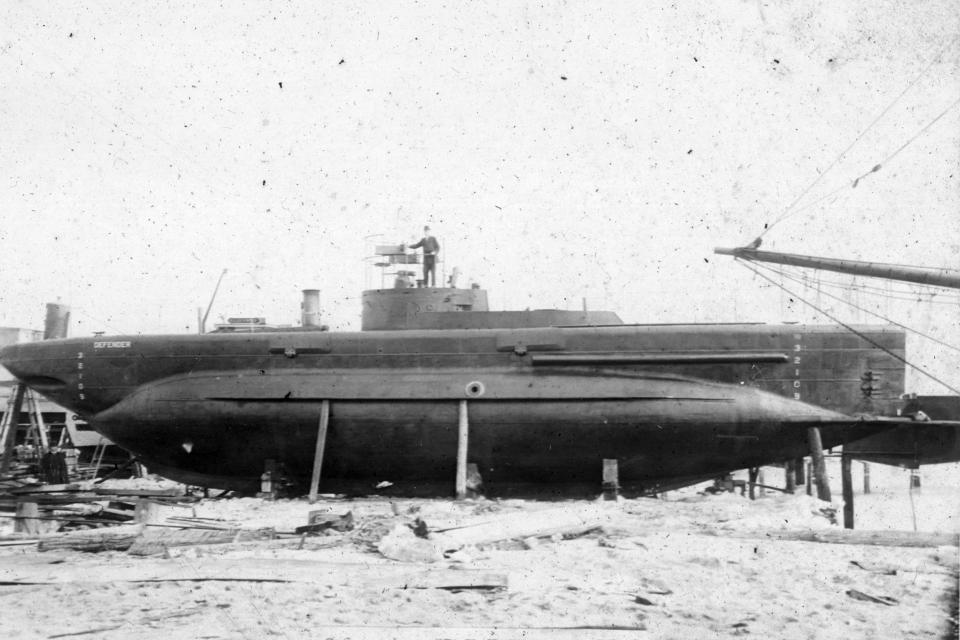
[117, 538]
[849, 536]
[140, 493]
[45, 488]
[354, 632]
[157, 541]
[259, 570]
[318, 452]
[485, 529]
[463, 434]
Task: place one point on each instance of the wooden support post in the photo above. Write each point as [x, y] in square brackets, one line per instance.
[11, 422]
[463, 434]
[809, 483]
[799, 465]
[761, 482]
[790, 476]
[752, 474]
[846, 461]
[866, 478]
[915, 480]
[318, 452]
[26, 518]
[611, 479]
[36, 420]
[819, 466]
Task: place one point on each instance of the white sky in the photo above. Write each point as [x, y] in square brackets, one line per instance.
[559, 150]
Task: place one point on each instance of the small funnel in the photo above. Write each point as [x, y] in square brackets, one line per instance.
[57, 322]
[310, 308]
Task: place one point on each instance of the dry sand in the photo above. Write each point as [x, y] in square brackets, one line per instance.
[655, 570]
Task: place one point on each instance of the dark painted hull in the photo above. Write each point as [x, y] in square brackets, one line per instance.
[544, 405]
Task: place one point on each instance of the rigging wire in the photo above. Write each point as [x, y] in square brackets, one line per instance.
[853, 184]
[872, 313]
[905, 295]
[849, 328]
[843, 153]
[98, 320]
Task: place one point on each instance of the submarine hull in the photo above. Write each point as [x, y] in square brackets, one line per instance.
[524, 429]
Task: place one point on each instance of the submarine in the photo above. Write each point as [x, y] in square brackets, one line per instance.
[548, 394]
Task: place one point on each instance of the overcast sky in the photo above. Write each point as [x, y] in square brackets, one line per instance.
[559, 150]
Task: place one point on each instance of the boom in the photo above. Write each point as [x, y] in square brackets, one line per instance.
[949, 278]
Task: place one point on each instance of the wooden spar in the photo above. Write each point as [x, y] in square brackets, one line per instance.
[462, 437]
[847, 478]
[819, 466]
[318, 453]
[949, 278]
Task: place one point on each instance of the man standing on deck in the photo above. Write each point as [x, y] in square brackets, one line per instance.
[430, 249]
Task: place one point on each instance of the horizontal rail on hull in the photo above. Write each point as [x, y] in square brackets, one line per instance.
[488, 398]
[658, 358]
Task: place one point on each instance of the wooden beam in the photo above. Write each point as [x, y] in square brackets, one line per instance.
[848, 536]
[847, 481]
[790, 476]
[487, 528]
[819, 466]
[365, 575]
[463, 435]
[866, 478]
[318, 452]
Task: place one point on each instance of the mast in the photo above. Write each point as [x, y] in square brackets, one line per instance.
[949, 278]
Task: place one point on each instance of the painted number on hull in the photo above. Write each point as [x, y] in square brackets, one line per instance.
[80, 375]
[797, 348]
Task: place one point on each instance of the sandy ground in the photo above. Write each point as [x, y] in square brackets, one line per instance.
[664, 568]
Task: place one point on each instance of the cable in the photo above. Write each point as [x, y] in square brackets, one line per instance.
[903, 295]
[874, 314]
[876, 167]
[849, 328]
[786, 211]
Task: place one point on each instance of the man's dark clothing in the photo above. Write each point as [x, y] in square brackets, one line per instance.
[430, 249]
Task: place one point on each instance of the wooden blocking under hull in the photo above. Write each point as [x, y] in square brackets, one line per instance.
[611, 479]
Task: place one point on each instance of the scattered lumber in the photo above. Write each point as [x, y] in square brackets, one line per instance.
[568, 520]
[156, 541]
[850, 536]
[318, 521]
[377, 576]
